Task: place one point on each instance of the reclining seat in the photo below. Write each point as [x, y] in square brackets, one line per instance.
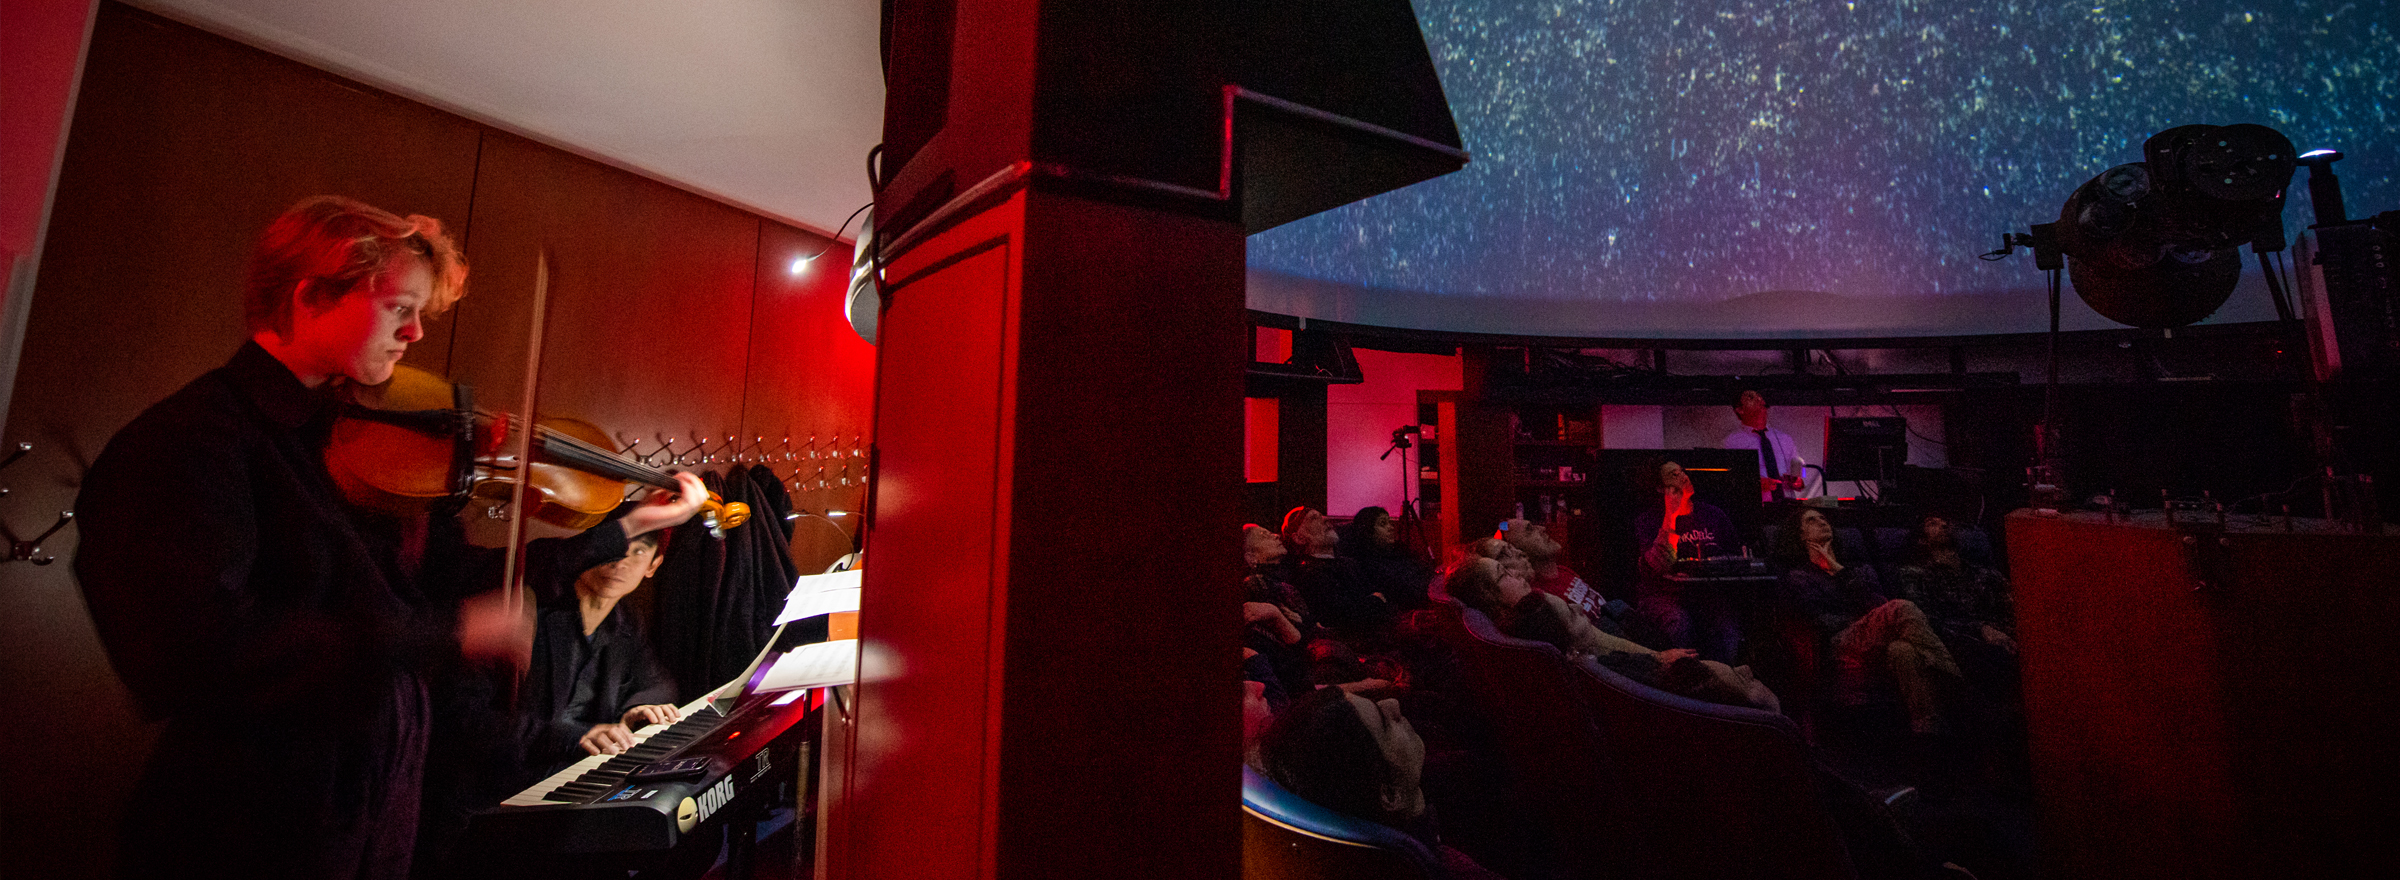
[1286, 838]
[1548, 747]
[1709, 791]
[1629, 781]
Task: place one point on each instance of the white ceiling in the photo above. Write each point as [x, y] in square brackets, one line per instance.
[767, 104]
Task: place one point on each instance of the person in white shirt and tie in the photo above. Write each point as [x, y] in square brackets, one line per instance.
[1779, 457]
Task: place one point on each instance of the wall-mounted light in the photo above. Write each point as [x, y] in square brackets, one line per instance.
[864, 305]
[800, 264]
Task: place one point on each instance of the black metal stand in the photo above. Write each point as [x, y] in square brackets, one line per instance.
[1411, 525]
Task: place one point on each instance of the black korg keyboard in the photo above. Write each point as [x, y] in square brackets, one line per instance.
[611, 774]
[673, 780]
[725, 761]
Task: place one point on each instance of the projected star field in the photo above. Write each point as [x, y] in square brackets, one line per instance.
[1654, 150]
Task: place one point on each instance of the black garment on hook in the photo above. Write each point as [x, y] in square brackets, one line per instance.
[685, 604]
[718, 597]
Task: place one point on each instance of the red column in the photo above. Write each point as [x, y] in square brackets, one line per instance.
[1049, 629]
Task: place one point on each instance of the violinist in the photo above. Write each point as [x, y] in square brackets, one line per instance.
[283, 638]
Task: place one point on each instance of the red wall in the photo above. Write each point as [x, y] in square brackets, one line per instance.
[39, 43]
[808, 383]
[1358, 427]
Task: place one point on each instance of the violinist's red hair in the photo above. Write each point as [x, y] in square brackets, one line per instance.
[331, 246]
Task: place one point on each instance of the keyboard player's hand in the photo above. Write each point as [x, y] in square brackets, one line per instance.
[607, 739]
[660, 713]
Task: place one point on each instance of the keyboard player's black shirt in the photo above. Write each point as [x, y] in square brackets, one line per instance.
[575, 684]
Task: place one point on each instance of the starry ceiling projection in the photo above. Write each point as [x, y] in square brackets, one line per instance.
[1635, 151]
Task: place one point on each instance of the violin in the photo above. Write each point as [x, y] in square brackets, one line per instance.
[417, 440]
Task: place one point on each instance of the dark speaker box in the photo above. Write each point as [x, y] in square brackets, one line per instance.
[1261, 112]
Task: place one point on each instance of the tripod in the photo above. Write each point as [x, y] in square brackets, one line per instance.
[1411, 526]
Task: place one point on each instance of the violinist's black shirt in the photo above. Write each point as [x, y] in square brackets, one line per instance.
[243, 604]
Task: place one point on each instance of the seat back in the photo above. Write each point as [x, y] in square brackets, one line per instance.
[1548, 748]
[1709, 791]
[1628, 781]
[1286, 838]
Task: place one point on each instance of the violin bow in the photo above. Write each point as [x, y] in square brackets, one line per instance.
[512, 571]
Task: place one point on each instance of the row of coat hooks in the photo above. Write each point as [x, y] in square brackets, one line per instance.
[703, 451]
[20, 550]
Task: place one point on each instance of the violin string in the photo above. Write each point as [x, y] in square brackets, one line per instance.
[581, 453]
[558, 441]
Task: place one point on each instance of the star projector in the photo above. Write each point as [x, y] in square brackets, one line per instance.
[2153, 244]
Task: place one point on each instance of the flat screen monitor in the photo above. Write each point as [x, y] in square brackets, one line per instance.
[1871, 448]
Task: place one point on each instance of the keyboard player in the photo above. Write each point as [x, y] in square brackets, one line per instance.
[593, 679]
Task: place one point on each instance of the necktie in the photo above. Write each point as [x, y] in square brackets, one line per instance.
[1766, 464]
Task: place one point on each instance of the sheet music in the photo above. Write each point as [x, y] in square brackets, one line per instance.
[817, 594]
[817, 665]
[824, 602]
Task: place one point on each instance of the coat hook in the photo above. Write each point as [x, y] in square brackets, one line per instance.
[17, 453]
[30, 550]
